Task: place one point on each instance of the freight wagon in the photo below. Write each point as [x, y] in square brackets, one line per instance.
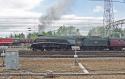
[6, 41]
[14, 42]
[117, 44]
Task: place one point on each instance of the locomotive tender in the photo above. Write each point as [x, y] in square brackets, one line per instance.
[91, 43]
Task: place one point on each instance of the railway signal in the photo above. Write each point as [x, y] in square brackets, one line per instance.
[75, 48]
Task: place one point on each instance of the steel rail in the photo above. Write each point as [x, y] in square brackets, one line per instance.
[58, 74]
[69, 56]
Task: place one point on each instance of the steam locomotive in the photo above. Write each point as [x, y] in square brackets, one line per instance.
[84, 42]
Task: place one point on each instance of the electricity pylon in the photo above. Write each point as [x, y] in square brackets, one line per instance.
[108, 17]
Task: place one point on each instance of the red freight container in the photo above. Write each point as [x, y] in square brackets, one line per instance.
[117, 43]
[6, 41]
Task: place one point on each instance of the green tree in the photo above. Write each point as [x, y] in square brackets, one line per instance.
[32, 35]
[100, 31]
[29, 35]
[61, 31]
[11, 36]
[97, 31]
[67, 31]
[21, 36]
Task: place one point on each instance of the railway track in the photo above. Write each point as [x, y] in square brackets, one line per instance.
[70, 54]
[65, 56]
[59, 74]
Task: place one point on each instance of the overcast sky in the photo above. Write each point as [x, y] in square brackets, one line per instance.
[85, 11]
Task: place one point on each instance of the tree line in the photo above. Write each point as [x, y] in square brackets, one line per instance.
[61, 31]
[100, 31]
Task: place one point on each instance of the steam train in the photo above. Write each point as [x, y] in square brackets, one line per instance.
[84, 42]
